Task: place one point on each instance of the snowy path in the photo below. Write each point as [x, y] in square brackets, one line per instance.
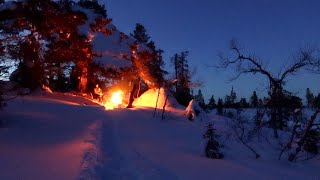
[123, 159]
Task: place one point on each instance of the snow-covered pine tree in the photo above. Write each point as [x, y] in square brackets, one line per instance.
[212, 149]
[146, 71]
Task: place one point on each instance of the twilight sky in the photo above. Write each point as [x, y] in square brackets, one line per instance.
[272, 29]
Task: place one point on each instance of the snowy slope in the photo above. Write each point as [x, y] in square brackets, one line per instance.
[47, 137]
[56, 136]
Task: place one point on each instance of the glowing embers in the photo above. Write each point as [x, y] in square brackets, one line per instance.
[116, 100]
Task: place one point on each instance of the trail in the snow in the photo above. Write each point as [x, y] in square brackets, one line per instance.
[122, 160]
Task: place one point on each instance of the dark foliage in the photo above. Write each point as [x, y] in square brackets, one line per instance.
[94, 4]
[212, 103]
[254, 100]
[220, 107]
[312, 141]
[183, 78]
[212, 149]
[200, 99]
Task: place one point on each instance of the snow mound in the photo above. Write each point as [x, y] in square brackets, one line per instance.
[194, 111]
[149, 99]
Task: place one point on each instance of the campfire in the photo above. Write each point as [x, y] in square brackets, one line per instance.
[115, 100]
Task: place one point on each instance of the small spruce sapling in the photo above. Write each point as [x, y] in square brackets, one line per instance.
[213, 146]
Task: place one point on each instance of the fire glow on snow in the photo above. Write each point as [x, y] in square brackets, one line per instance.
[115, 100]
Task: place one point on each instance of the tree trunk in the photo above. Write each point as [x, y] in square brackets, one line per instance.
[132, 93]
[164, 107]
[155, 108]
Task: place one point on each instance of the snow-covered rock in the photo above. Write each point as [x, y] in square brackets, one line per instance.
[194, 111]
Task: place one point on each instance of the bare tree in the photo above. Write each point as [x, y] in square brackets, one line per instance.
[251, 64]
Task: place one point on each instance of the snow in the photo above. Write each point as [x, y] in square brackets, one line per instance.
[194, 111]
[64, 136]
[114, 49]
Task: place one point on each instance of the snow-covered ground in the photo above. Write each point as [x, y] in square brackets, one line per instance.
[60, 136]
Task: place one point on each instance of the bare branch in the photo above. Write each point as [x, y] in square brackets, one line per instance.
[244, 64]
[304, 58]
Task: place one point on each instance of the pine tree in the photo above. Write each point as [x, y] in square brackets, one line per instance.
[316, 102]
[94, 5]
[183, 78]
[309, 98]
[199, 97]
[140, 34]
[220, 107]
[230, 100]
[212, 103]
[233, 97]
[212, 149]
[254, 100]
[154, 65]
[243, 103]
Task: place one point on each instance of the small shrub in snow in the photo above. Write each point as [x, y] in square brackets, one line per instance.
[213, 146]
[312, 140]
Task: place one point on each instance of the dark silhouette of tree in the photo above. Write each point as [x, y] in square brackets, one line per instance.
[183, 78]
[199, 97]
[309, 98]
[243, 103]
[212, 149]
[254, 100]
[251, 64]
[140, 34]
[94, 5]
[220, 107]
[230, 100]
[212, 103]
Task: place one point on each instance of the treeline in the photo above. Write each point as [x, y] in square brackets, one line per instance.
[231, 101]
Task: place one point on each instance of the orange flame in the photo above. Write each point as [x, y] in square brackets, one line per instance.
[115, 100]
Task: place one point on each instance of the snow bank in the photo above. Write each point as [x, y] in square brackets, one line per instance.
[149, 99]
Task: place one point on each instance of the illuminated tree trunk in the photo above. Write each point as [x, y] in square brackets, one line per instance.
[132, 93]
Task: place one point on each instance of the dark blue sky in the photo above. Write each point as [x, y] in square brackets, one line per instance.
[272, 29]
